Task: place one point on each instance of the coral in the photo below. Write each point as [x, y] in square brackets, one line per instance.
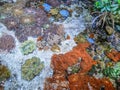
[53, 3]
[47, 7]
[74, 68]
[64, 13]
[28, 47]
[31, 68]
[113, 72]
[113, 55]
[7, 43]
[27, 19]
[61, 62]
[77, 80]
[84, 82]
[55, 48]
[79, 39]
[4, 73]
[52, 35]
[11, 23]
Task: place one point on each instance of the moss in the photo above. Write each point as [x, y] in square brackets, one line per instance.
[28, 47]
[4, 73]
[31, 68]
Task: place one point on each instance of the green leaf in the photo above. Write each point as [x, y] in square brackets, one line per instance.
[97, 4]
[108, 8]
[115, 8]
[103, 9]
[119, 1]
[119, 12]
[106, 1]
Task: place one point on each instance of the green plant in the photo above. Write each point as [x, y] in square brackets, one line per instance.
[109, 12]
[112, 6]
[112, 72]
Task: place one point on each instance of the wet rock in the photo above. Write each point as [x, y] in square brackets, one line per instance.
[31, 68]
[27, 47]
[4, 73]
[7, 43]
[109, 30]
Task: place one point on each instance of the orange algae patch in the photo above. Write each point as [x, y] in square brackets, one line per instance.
[85, 82]
[114, 55]
[78, 81]
[62, 61]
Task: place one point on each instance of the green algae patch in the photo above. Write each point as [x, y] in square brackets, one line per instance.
[27, 47]
[31, 68]
[4, 73]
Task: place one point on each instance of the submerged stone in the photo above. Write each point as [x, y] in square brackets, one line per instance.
[109, 30]
[31, 68]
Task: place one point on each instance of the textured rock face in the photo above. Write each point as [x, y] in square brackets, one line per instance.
[7, 43]
[4, 73]
[31, 68]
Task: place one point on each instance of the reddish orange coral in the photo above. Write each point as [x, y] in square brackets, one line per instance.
[78, 81]
[85, 82]
[62, 61]
[114, 55]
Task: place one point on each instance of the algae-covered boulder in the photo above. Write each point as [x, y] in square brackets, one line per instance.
[27, 47]
[4, 73]
[31, 68]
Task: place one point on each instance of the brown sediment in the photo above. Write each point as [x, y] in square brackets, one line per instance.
[78, 81]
